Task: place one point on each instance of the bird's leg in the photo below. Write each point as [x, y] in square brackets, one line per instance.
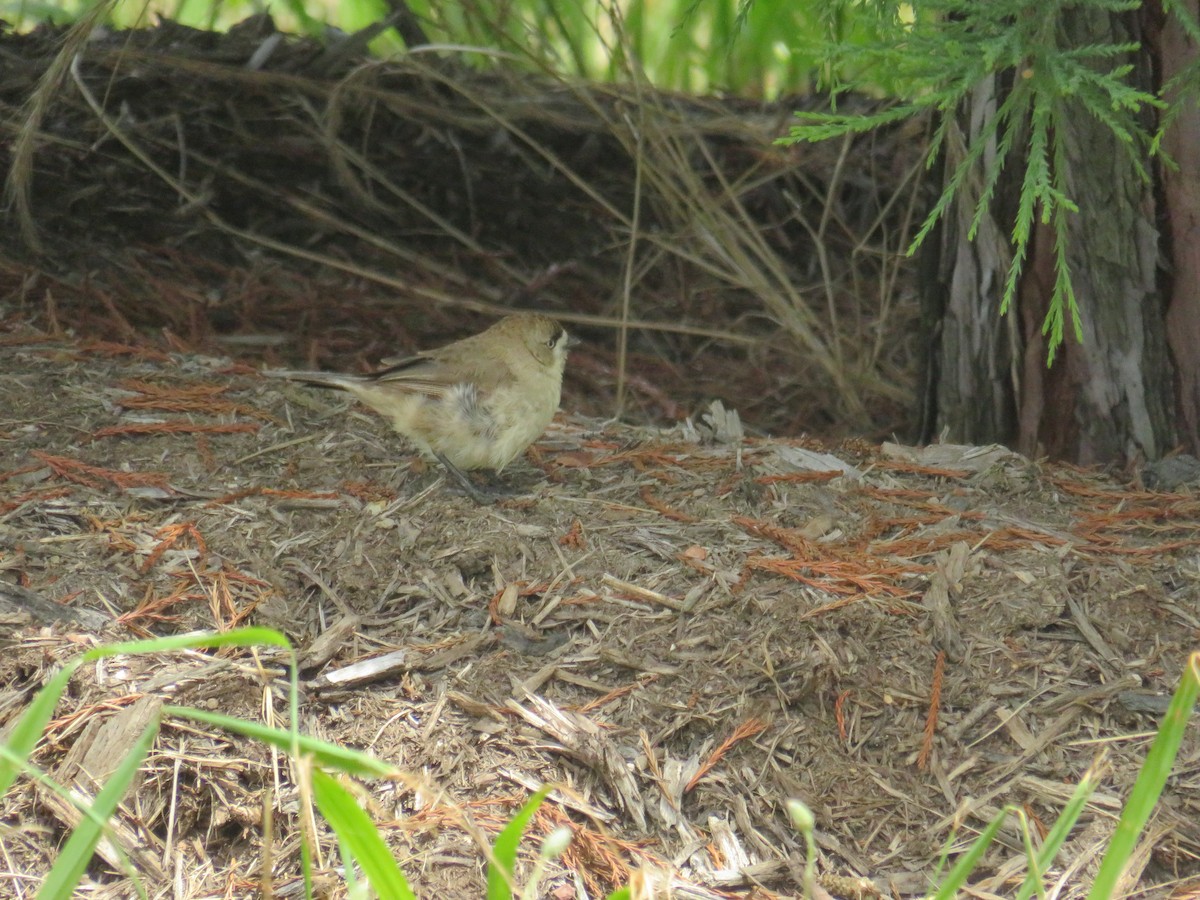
[481, 497]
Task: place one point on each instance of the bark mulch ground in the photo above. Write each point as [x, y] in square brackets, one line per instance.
[681, 627]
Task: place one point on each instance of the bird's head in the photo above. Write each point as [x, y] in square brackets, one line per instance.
[545, 340]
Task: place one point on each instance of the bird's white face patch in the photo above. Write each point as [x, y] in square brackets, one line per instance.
[562, 346]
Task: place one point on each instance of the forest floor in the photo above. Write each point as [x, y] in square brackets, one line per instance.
[683, 627]
[682, 623]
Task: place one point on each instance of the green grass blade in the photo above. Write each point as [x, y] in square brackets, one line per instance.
[958, 874]
[501, 870]
[1061, 828]
[77, 852]
[331, 756]
[1150, 782]
[241, 637]
[623, 893]
[355, 829]
[25, 733]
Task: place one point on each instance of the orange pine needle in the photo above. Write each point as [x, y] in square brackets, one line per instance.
[95, 476]
[931, 718]
[839, 713]
[662, 508]
[745, 730]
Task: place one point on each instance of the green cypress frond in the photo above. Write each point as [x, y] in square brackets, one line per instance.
[953, 45]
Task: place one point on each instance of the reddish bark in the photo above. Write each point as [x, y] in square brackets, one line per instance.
[1181, 197]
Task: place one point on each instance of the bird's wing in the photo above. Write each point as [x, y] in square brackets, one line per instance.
[433, 374]
[395, 363]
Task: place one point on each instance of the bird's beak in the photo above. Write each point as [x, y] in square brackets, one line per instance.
[572, 341]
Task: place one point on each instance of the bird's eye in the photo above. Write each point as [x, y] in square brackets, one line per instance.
[550, 343]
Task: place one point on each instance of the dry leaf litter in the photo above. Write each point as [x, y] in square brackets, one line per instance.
[681, 628]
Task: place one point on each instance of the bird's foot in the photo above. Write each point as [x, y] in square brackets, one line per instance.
[482, 494]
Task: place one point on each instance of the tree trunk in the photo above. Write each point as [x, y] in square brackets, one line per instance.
[1109, 398]
[1181, 197]
[972, 374]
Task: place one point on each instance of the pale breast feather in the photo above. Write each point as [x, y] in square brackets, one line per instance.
[464, 397]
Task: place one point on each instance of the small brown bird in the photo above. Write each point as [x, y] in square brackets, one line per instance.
[473, 404]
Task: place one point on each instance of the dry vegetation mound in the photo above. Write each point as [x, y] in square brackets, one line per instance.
[263, 194]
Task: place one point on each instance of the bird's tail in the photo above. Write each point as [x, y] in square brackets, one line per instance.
[334, 380]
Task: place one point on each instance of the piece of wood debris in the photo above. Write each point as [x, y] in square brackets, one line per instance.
[135, 844]
[325, 646]
[620, 658]
[104, 744]
[750, 874]
[365, 671]
[958, 456]
[732, 856]
[477, 708]
[100, 749]
[583, 740]
[568, 798]
[451, 655]
[811, 461]
[171, 678]
[1091, 634]
[21, 606]
[641, 593]
[950, 566]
